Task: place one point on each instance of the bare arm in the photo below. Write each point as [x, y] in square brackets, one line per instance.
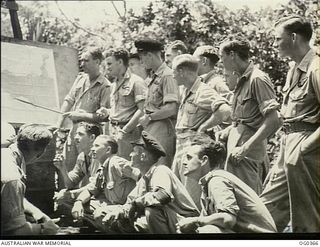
[166, 111]
[218, 117]
[135, 118]
[66, 106]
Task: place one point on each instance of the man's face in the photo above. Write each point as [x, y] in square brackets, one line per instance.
[135, 156]
[170, 54]
[146, 59]
[136, 66]
[190, 159]
[99, 150]
[231, 79]
[283, 42]
[178, 75]
[226, 60]
[88, 64]
[201, 60]
[112, 66]
[82, 140]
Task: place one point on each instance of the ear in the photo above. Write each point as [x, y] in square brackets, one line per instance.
[143, 156]
[204, 160]
[204, 60]
[294, 37]
[179, 52]
[92, 137]
[108, 150]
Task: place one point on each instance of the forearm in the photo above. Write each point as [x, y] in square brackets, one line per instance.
[33, 210]
[66, 178]
[91, 117]
[312, 142]
[218, 117]
[166, 111]
[84, 196]
[223, 220]
[132, 124]
[28, 229]
[66, 106]
[270, 125]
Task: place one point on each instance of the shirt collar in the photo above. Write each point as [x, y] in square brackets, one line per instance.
[248, 71]
[14, 148]
[303, 66]
[206, 77]
[161, 69]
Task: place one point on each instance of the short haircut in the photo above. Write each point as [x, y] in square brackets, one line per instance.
[109, 141]
[36, 136]
[178, 45]
[207, 51]
[120, 53]
[296, 24]
[95, 52]
[238, 45]
[91, 129]
[215, 150]
[186, 61]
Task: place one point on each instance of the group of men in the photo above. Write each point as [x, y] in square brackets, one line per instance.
[156, 168]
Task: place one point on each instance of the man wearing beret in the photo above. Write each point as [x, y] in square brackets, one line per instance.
[159, 195]
[162, 99]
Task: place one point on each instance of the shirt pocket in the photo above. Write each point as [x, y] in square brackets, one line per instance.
[156, 93]
[192, 111]
[126, 98]
[247, 106]
[300, 90]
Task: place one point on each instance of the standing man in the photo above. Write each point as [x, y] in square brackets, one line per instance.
[229, 205]
[201, 108]
[89, 92]
[159, 195]
[161, 105]
[207, 57]
[128, 92]
[300, 146]
[32, 140]
[174, 49]
[254, 115]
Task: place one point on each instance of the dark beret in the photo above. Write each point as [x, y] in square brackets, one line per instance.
[148, 45]
[150, 143]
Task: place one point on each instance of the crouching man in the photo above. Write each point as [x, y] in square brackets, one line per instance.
[159, 195]
[228, 204]
[111, 185]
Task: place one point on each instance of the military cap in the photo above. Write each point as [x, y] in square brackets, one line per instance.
[207, 51]
[150, 143]
[148, 45]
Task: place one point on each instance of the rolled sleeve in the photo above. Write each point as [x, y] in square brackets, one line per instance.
[140, 91]
[71, 96]
[170, 90]
[262, 90]
[221, 191]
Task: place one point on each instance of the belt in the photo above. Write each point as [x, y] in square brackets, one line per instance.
[299, 127]
[118, 123]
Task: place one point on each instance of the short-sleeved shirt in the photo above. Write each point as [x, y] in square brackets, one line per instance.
[125, 95]
[218, 84]
[197, 105]
[162, 89]
[160, 176]
[225, 193]
[254, 96]
[13, 187]
[84, 170]
[110, 185]
[89, 96]
[302, 91]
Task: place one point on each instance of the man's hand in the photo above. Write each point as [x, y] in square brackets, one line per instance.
[144, 120]
[238, 153]
[60, 196]
[121, 133]
[223, 134]
[50, 228]
[77, 210]
[112, 215]
[103, 112]
[58, 161]
[74, 115]
[187, 225]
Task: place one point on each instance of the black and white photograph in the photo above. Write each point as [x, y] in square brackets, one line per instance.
[160, 119]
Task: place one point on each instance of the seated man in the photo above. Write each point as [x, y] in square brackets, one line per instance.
[228, 204]
[111, 185]
[32, 139]
[84, 169]
[159, 195]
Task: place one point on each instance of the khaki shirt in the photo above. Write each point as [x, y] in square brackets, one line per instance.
[254, 96]
[125, 95]
[225, 193]
[13, 187]
[89, 96]
[197, 105]
[110, 184]
[302, 91]
[162, 89]
[84, 170]
[160, 176]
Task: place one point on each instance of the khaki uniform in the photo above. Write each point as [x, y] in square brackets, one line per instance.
[162, 89]
[88, 97]
[254, 97]
[197, 106]
[224, 192]
[301, 112]
[125, 96]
